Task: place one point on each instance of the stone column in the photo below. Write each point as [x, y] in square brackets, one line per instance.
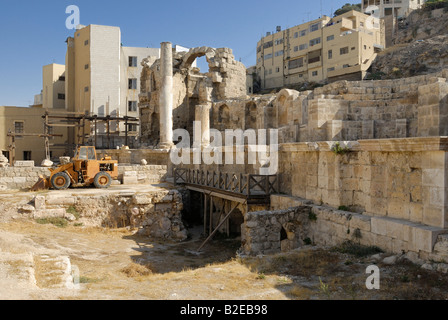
[166, 96]
[202, 115]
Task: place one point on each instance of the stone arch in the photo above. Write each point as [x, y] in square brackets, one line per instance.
[195, 53]
[251, 115]
[283, 102]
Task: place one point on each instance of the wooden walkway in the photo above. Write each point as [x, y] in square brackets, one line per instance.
[248, 188]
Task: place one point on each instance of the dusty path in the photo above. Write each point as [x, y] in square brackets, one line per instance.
[39, 261]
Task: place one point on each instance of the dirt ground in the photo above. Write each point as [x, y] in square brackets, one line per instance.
[40, 261]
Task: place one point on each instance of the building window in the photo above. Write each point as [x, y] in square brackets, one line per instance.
[26, 155]
[278, 41]
[315, 41]
[259, 49]
[279, 53]
[132, 127]
[296, 48]
[86, 43]
[268, 44]
[62, 78]
[302, 33]
[314, 73]
[86, 67]
[303, 46]
[268, 56]
[19, 127]
[61, 96]
[296, 35]
[132, 106]
[345, 66]
[132, 84]
[86, 89]
[133, 61]
[277, 69]
[330, 54]
[353, 48]
[330, 69]
[270, 71]
[344, 50]
[297, 63]
[314, 27]
[329, 38]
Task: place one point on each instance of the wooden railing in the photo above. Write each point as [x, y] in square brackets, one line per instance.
[244, 184]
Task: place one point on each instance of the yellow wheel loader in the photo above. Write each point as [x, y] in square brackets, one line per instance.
[84, 170]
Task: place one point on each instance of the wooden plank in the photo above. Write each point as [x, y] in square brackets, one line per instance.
[217, 228]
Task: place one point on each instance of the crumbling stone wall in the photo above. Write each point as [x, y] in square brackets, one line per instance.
[295, 222]
[226, 78]
[344, 111]
[157, 213]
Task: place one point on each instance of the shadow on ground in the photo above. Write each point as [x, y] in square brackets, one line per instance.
[165, 256]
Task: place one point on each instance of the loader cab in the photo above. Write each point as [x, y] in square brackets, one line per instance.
[85, 153]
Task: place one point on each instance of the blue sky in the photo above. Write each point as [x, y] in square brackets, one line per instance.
[33, 33]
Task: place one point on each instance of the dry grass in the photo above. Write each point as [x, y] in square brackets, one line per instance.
[134, 270]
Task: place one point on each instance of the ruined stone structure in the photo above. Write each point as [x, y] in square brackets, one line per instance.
[192, 92]
[344, 110]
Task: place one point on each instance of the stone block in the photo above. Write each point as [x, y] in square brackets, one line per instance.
[142, 199]
[62, 201]
[130, 180]
[423, 238]
[39, 202]
[361, 222]
[379, 225]
[24, 164]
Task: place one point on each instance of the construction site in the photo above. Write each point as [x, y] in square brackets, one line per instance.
[344, 176]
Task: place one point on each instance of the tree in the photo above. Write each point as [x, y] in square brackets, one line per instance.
[346, 8]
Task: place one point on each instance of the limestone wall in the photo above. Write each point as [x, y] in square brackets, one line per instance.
[20, 178]
[24, 178]
[396, 178]
[295, 222]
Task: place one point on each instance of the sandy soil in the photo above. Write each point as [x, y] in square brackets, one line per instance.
[38, 262]
[46, 262]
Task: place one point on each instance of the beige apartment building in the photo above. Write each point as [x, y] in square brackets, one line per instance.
[325, 49]
[28, 120]
[103, 79]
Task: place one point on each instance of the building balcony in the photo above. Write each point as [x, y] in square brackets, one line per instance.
[346, 24]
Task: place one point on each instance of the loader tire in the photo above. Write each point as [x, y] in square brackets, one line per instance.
[60, 181]
[102, 180]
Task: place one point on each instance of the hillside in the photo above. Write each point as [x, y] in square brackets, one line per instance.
[420, 47]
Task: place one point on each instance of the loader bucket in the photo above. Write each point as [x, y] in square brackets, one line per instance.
[42, 184]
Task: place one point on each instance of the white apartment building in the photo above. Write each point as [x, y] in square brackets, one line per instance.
[396, 8]
[103, 78]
